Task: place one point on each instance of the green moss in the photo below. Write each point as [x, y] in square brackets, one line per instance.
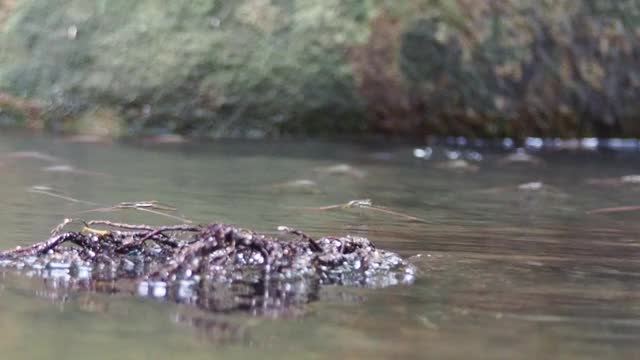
[204, 66]
[301, 66]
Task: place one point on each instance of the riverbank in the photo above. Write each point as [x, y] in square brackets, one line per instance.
[261, 68]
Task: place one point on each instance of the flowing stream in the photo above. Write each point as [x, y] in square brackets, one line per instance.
[512, 263]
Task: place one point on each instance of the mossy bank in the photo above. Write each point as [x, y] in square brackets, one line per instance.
[254, 68]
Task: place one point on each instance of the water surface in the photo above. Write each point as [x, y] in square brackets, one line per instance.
[504, 272]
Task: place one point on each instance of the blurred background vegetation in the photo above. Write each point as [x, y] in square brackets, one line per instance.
[254, 68]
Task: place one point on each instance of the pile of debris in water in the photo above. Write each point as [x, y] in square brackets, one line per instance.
[217, 267]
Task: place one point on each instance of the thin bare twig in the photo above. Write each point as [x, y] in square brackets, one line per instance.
[166, 215]
[58, 229]
[40, 247]
[314, 244]
[153, 207]
[158, 231]
[365, 204]
[44, 191]
[614, 209]
[121, 225]
[395, 213]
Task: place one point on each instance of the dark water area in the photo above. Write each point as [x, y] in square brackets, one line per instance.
[512, 262]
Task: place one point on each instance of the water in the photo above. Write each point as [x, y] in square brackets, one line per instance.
[504, 272]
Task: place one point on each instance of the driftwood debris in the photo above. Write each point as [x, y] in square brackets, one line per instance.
[218, 267]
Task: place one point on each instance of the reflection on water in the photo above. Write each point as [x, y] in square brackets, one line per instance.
[511, 262]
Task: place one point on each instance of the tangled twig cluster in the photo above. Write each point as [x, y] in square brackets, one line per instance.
[202, 256]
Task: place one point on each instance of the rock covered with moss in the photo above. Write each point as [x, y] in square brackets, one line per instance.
[266, 67]
[241, 68]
